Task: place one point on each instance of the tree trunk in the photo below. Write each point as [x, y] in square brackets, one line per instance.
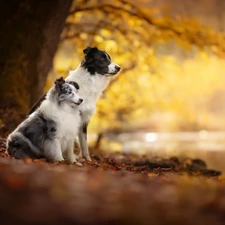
[98, 141]
[30, 32]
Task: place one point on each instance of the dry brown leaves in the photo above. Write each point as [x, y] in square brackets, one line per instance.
[112, 189]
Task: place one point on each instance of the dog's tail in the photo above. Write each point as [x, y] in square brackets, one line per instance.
[18, 147]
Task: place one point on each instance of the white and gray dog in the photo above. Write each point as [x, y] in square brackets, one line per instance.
[93, 76]
[51, 130]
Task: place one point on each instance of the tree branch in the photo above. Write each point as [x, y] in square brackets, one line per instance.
[170, 26]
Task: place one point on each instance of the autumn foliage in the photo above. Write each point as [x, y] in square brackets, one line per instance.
[172, 79]
[172, 65]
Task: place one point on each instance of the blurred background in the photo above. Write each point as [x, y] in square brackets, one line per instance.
[169, 98]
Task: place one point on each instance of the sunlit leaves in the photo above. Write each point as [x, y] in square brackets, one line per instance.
[139, 38]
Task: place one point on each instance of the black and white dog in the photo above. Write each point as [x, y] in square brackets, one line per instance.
[93, 76]
[51, 130]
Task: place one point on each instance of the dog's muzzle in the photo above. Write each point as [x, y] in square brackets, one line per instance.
[116, 70]
[79, 102]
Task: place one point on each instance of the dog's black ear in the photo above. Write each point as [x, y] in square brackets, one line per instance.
[90, 50]
[86, 50]
[75, 84]
[59, 81]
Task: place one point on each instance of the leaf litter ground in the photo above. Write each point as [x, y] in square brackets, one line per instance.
[112, 189]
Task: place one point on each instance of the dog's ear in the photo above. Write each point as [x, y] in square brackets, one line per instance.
[59, 81]
[75, 84]
[89, 49]
[86, 50]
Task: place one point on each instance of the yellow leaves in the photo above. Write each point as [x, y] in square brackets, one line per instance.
[173, 89]
[98, 38]
[111, 46]
[112, 146]
[105, 32]
[141, 21]
[140, 38]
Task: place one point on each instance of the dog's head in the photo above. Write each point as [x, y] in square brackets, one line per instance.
[99, 62]
[67, 92]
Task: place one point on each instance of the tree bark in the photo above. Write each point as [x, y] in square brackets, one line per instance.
[30, 32]
[98, 141]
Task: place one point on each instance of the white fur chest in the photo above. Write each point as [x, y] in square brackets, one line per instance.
[67, 120]
[68, 128]
[67, 123]
[91, 87]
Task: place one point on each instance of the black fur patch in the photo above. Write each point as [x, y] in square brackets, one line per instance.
[37, 128]
[60, 81]
[84, 128]
[75, 84]
[96, 61]
[86, 50]
[20, 148]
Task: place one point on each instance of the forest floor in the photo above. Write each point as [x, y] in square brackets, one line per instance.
[112, 189]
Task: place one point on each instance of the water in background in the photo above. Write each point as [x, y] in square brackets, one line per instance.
[208, 146]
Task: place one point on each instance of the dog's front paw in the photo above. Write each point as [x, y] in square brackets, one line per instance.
[88, 158]
[79, 156]
[82, 157]
[72, 159]
[78, 163]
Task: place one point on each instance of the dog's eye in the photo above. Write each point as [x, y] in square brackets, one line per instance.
[103, 58]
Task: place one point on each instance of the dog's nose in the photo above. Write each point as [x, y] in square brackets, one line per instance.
[80, 100]
[117, 68]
